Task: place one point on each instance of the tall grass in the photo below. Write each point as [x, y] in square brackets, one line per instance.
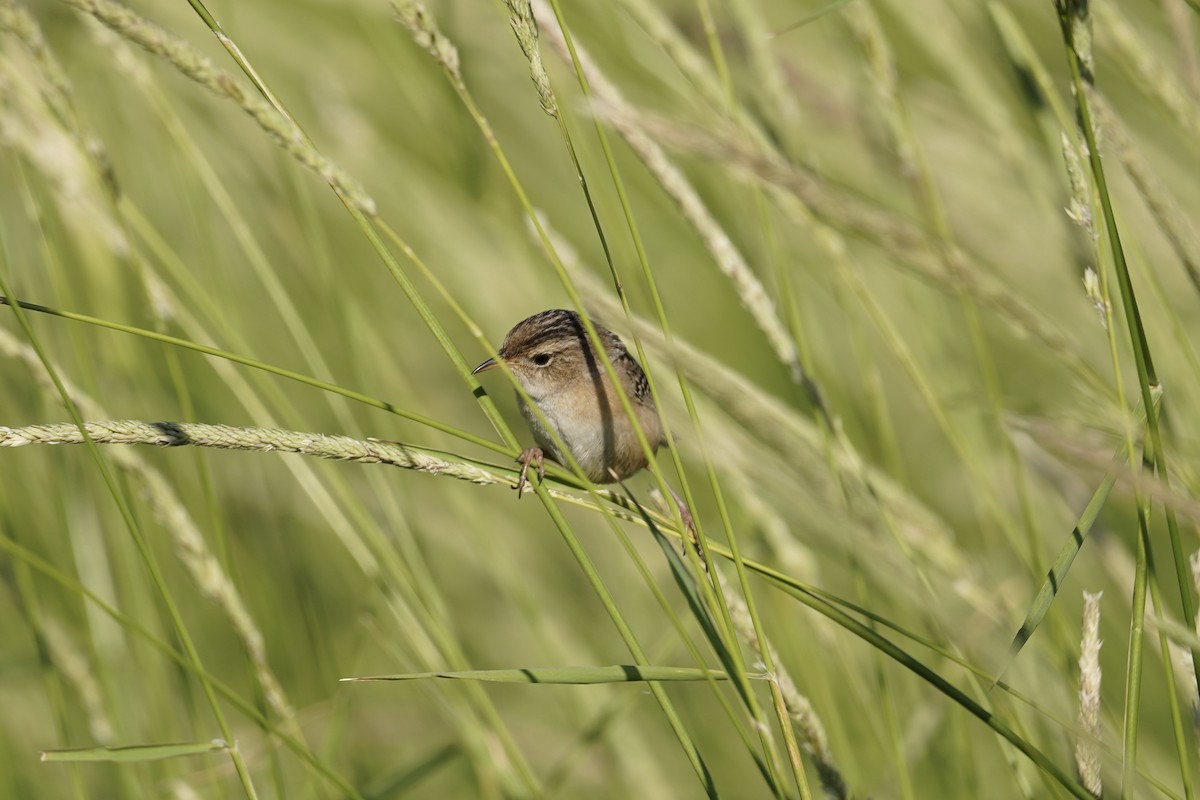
[916, 287]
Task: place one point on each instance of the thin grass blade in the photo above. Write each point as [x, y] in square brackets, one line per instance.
[617, 673]
[136, 752]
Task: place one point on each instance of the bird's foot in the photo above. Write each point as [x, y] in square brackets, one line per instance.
[530, 455]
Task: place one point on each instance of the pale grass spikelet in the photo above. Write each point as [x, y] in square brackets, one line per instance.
[1079, 207]
[73, 665]
[200, 69]
[1091, 285]
[1087, 749]
[416, 17]
[1194, 563]
[812, 732]
[881, 71]
[79, 190]
[1186, 653]
[1081, 35]
[162, 302]
[181, 790]
[227, 437]
[124, 57]
[526, 29]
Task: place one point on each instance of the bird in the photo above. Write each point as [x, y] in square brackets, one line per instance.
[556, 365]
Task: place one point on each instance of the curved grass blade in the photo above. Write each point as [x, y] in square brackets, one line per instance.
[1054, 578]
[1066, 556]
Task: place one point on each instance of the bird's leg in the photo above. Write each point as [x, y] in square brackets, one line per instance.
[685, 514]
[530, 455]
[689, 524]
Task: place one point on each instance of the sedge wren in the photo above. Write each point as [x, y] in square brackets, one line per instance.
[554, 361]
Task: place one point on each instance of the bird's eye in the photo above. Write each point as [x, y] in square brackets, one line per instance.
[541, 359]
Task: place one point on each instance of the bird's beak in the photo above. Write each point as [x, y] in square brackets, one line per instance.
[485, 366]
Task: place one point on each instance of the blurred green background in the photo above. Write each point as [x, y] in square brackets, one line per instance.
[894, 177]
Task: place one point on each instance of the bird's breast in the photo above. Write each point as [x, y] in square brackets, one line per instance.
[595, 430]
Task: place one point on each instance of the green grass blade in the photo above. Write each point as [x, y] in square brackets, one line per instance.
[135, 752]
[1058, 573]
[619, 673]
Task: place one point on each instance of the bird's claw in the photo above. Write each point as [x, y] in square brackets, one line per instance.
[530, 455]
